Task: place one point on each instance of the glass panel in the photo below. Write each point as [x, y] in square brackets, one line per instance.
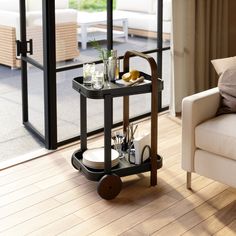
[167, 18]
[36, 98]
[79, 30]
[15, 140]
[134, 25]
[95, 114]
[68, 105]
[34, 29]
[166, 76]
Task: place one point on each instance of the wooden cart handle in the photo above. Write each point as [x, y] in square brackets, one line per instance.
[151, 61]
[154, 111]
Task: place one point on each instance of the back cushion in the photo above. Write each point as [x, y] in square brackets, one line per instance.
[222, 64]
[145, 6]
[9, 5]
[62, 4]
[227, 88]
[36, 5]
[167, 11]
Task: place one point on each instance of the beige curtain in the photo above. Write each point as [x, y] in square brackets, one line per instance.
[200, 34]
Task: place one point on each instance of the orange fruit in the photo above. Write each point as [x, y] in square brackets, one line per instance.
[134, 74]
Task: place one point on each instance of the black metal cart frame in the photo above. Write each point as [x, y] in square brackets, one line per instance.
[108, 93]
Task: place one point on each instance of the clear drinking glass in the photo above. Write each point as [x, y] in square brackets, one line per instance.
[98, 80]
[88, 71]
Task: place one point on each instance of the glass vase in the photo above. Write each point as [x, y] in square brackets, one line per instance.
[105, 70]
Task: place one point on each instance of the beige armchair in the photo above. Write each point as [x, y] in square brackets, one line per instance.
[208, 141]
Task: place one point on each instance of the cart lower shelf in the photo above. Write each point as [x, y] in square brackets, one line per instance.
[124, 168]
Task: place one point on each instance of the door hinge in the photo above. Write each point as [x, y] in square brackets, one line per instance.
[23, 47]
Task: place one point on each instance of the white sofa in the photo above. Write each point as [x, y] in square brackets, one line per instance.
[208, 141]
[66, 30]
[142, 16]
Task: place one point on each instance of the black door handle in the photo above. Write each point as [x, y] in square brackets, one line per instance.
[24, 47]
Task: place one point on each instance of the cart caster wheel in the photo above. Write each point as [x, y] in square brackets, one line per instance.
[109, 186]
[73, 164]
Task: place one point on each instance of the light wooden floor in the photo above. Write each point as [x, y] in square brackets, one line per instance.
[48, 197]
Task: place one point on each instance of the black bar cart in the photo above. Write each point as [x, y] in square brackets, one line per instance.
[110, 184]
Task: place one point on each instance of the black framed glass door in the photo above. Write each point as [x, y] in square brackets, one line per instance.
[38, 69]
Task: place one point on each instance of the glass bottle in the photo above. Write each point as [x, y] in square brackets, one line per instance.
[112, 66]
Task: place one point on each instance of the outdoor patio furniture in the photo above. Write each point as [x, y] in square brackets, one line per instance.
[90, 27]
[66, 31]
[142, 17]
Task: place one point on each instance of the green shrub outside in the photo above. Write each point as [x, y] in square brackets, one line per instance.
[89, 5]
[73, 4]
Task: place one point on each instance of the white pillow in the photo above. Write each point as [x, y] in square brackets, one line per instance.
[9, 5]
[36, 5]
[145, 6]
[223, 64]
[167, 11]
[61, 4]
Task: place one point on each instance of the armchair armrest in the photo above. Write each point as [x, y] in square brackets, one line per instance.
[195, 110]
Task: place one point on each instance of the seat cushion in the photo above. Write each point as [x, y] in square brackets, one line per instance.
[167, 9]
[145, 6]
[137, 20]
[12, 5]
[34, 18]
[36, 5]
[218, 136]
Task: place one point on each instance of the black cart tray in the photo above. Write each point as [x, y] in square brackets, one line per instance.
[115, 89]
[124, 168]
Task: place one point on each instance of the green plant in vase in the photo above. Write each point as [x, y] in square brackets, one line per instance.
[104, 54]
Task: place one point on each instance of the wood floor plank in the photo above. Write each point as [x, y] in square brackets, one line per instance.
[60, 178]
[229, 230]
[197, 215]
[50, 216]
[216, 222]
[158, 221]
[29, 170]
[18, 194]
[58, 226]
[7, 172]
[44, 174]
[36, 198]
[233, 190]
[28, 213]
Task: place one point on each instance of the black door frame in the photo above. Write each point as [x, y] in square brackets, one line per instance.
[49, 73]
